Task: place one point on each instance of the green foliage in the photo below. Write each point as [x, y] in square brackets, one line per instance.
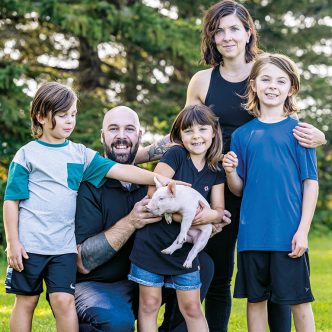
[91, 111]
[14, 120]
[14, 105]
[2, 190]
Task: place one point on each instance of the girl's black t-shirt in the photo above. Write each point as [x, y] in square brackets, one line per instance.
[153, 238]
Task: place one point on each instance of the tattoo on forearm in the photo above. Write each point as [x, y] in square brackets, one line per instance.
[159, 148]
[96, 251]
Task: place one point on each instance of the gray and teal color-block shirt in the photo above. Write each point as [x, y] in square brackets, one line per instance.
[45, 179]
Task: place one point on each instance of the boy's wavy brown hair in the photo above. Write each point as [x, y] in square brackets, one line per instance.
[285, 64]
[51, 97]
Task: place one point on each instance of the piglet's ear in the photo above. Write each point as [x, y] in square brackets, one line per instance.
[158, 184]
[171, 188]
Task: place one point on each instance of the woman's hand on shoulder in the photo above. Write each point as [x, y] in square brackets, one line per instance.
[309, 136]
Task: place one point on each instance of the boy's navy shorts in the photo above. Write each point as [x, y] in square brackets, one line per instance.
[273, 275]
[58, 271]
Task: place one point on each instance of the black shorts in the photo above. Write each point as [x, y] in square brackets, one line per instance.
[58, 271]
[273, 275]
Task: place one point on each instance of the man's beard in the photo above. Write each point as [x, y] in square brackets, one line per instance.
[122, 158]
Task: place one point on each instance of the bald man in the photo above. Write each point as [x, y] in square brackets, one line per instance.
[106, 219]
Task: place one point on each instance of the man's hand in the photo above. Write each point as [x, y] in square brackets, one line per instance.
[299, 244]
[308, 135]
[15, 255]
[140, 216]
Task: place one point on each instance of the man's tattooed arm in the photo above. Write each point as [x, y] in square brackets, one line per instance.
[157, 149]
[100, 248]
[94, 252]
[152, 152]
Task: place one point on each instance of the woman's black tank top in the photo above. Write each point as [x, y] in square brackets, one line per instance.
[224, 99]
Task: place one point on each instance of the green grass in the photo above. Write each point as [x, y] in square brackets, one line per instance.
[321, 280]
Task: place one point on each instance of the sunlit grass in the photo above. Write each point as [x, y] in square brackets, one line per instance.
[321, 280]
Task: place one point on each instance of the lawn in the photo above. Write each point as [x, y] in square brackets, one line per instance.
[321, 279]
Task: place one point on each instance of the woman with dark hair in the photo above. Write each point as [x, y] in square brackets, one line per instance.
[229, 47]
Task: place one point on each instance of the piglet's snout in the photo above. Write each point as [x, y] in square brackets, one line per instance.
[150, 208]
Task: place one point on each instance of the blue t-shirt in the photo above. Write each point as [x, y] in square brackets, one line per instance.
[273, 166]
[153, 238]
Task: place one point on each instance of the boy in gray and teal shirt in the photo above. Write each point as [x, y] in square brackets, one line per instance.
[40, 204]
[45, 178]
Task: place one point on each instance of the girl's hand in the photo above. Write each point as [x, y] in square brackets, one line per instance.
[299, 244]
[204, 215]
[230, 162]
[308, 135]
[15, 255]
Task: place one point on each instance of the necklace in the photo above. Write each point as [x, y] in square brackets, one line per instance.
[240, 76]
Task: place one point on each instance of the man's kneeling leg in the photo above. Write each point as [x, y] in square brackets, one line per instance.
[105, 306]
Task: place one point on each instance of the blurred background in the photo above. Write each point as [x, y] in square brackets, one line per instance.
[142, 54]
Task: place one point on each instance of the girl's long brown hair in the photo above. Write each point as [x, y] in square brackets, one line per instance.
[202, 115]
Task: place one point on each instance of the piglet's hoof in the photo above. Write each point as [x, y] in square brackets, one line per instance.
[168, 218]
[187, 264]
[166, 251]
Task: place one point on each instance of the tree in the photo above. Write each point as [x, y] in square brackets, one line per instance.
[127, 52]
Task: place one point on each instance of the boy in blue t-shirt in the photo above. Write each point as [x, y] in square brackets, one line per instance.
[40, 204]
[278, 180]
